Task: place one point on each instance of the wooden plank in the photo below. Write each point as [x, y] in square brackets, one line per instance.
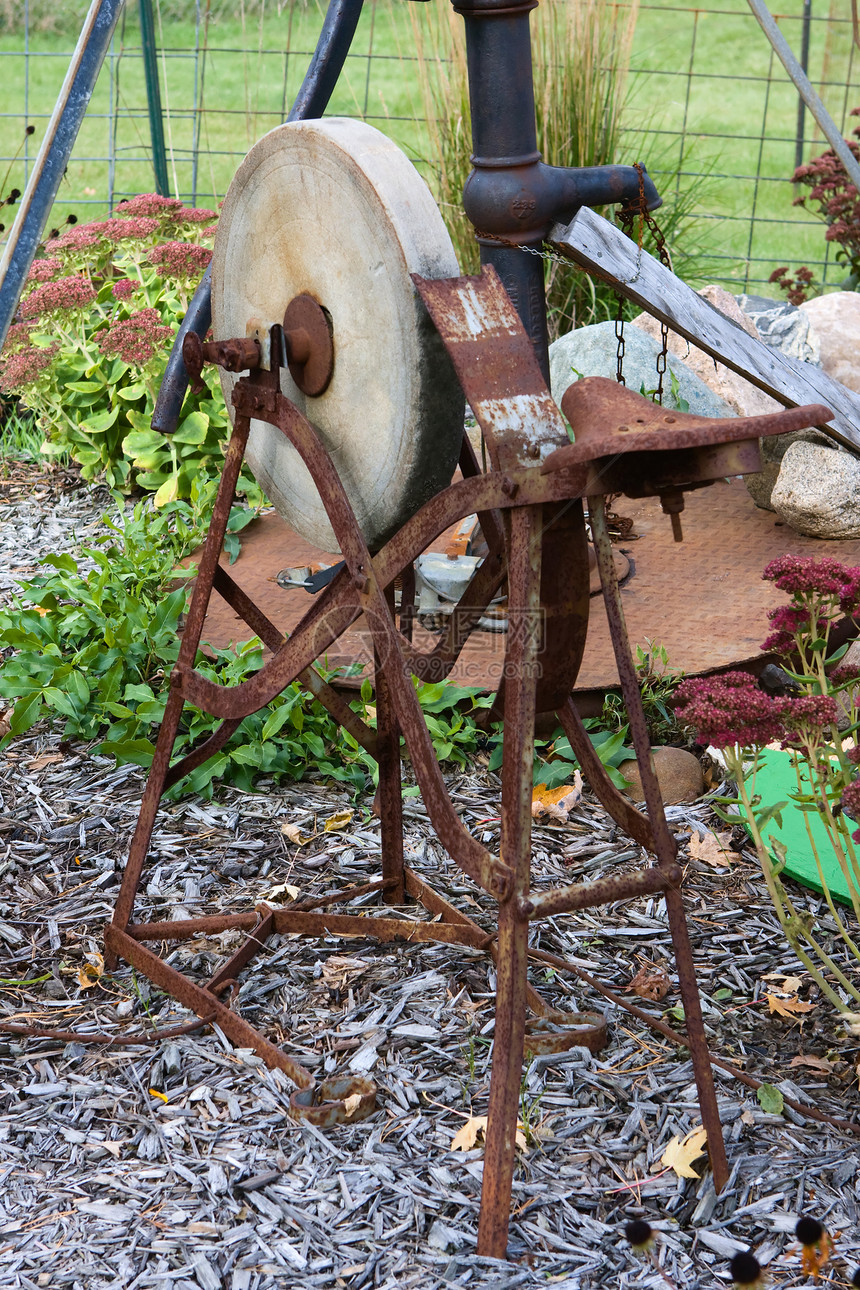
[596, 245]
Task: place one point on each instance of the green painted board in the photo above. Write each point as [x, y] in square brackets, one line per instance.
[775, 781]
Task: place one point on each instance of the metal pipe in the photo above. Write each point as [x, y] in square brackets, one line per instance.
[50, 166]
[804, 63]
[512, 197]
[316, 89]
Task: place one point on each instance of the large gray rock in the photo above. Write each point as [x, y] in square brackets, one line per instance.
[744, 398]
[591, 351]
[782, 326]
[836, 321]
[818, 491]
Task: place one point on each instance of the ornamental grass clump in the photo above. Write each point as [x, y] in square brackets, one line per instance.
[817, 723]
[88, 348]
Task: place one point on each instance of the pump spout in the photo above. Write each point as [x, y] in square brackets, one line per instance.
[520, 203]
[599, 186]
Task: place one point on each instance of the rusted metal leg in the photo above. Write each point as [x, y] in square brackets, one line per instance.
[515, 845]
[389, 799]
[187, 653]
[664, 844]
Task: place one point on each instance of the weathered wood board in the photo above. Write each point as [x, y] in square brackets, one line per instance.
[597, 245]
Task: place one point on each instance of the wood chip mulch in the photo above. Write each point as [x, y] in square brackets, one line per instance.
[177, 1165]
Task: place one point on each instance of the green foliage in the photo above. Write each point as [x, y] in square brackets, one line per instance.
[657, 685]
[91, 642]
[96, 322]
[20, 439]
[555, 760]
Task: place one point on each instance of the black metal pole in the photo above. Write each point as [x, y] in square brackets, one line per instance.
[54, 154]
[334, 43]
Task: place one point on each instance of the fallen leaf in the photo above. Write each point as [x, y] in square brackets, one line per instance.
[788, 1007]
[46, 759]
[115, 1148]
[557, 803]
[351, 1103]
[712, 849]
[770, 1099]
[747, 1117]
[294, 833]
[650, 983]
[89, 974]
[339, 820]
[339, 970]
[281, 890]
[814, 1063]
[791, 984]
[681, 1152]
[465, 1138]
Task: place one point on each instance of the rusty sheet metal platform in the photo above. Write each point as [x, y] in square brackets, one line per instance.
[704, 599]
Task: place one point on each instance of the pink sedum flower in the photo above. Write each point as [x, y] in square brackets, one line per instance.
[136, 339]
[196, 215]
[731, 711]
[150, 204]
[44, 270]
[24, 367]
[180, 260]
[58, 297]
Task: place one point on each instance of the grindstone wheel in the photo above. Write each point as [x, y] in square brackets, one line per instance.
[334, 210]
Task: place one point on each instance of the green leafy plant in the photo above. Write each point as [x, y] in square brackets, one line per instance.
[657, 686]
[91, 340]
[555, 760]
[732, 713]
[94, 646]
[92, 640]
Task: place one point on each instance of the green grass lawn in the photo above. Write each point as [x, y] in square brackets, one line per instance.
[706, 99]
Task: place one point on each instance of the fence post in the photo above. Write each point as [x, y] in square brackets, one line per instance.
[153, 97]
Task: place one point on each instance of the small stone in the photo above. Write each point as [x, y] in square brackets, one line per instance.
[442, 1237]
[836, 321]
[679, 774]
[818, 491]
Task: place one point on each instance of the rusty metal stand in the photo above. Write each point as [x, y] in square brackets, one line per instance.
[530, 503]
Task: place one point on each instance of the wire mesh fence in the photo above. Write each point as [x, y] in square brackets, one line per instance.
[708, 103]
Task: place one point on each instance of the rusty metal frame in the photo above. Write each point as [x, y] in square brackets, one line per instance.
[531, 503]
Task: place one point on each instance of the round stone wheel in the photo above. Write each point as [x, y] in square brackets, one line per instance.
[335, 210]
